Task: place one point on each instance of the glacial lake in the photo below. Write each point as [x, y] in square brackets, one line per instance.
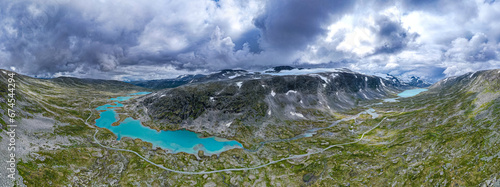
[406, 93]
[412, 92]
[174, 141]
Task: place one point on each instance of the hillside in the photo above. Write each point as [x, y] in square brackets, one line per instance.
[265, 103]
[50, 117]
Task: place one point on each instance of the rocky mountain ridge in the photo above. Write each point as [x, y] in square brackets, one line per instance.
[248, 100]
[228, 74]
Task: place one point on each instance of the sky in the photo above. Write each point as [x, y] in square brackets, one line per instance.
[156, 39]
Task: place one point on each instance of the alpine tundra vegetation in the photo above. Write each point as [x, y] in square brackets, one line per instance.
[322, 128]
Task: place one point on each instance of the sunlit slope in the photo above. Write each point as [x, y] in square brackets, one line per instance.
[61, 97]
[448, 135]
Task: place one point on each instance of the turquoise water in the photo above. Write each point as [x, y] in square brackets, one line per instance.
[120, 98]
[175, 141]
[406, 93]
[140, 93]
[411, 93]
[106, 106]
[390, 100]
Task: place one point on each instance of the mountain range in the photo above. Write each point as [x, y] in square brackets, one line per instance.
[232, 74]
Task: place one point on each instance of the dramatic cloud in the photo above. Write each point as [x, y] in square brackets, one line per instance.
[392, 35]
[477, 49]
[161, 39]
[44, 38]
[468, 54]
[292, 24]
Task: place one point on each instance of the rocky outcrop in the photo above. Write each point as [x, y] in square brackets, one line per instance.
[255, 101]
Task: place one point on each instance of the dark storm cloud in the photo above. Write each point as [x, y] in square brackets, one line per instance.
[44, 38]
[391, 35]
[52, 37]
[117, 39]
[295, 23]
[250, 37]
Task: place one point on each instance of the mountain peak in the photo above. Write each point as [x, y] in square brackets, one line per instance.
[412, 81]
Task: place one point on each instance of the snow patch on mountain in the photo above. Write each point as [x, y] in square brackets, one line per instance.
[291, 91]
[296, 114]
[302, 71]
[234, 76]
[322, 77]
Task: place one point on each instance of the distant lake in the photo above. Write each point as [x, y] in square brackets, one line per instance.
[140, 93]
[120, 98]
[412, 92]
[406, 93]
[175, 141]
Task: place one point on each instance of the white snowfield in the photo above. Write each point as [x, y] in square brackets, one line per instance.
[304, 71]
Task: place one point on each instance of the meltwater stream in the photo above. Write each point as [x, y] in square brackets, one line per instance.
[175, 141]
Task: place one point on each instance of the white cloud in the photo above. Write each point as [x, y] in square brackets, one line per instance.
[87, 38]
[476, 49]
[466, 55]
[359, 41]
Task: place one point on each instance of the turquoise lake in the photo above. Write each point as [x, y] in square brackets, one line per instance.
[120, 98]
[412, 92]
[175, 141]
[140, 93]
[406, 93]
